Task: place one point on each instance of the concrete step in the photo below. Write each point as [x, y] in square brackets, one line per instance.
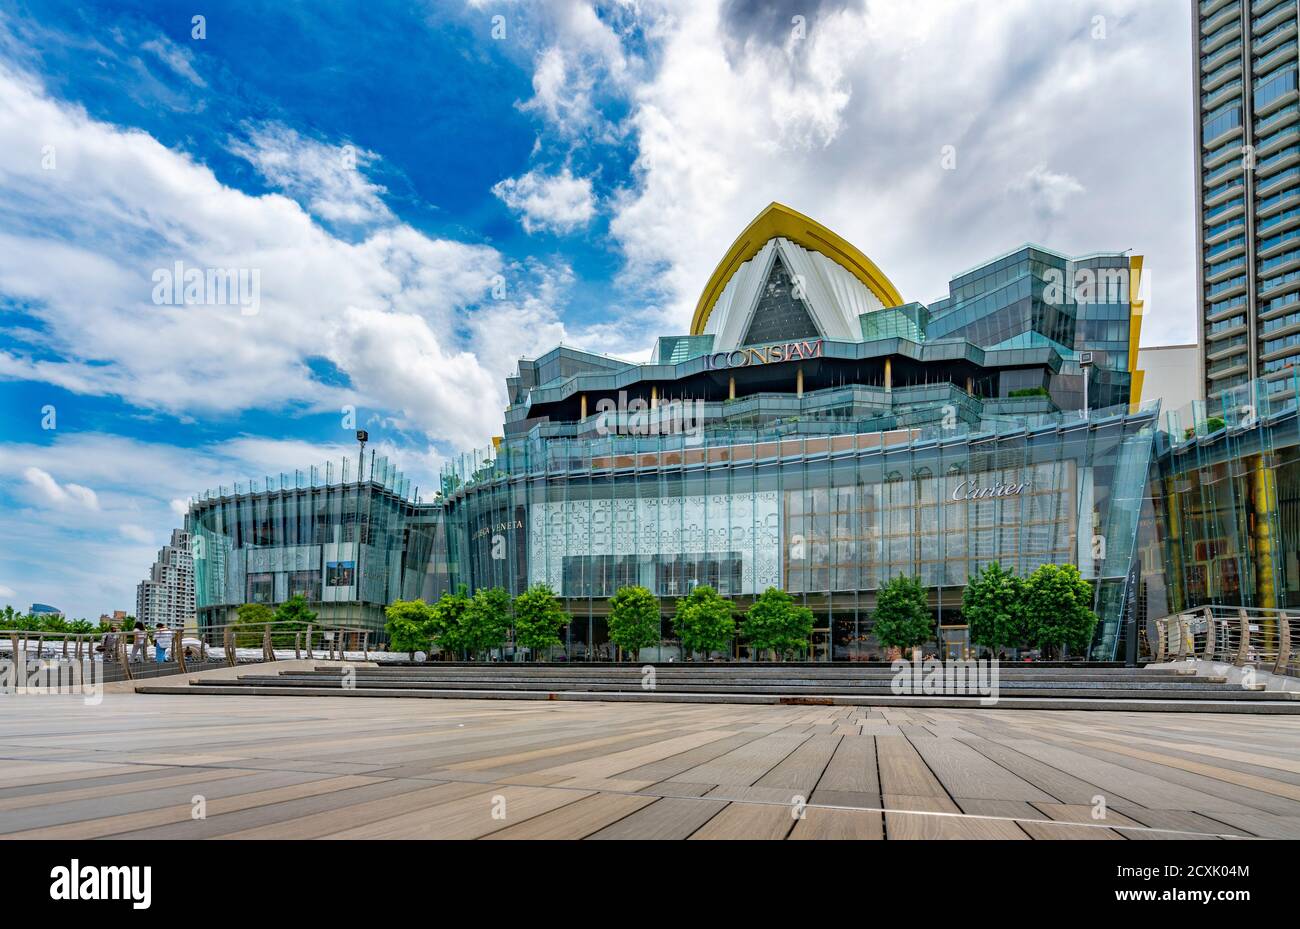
[740, 676]
[1190, 686]
[1005, 671]
[1128, 705]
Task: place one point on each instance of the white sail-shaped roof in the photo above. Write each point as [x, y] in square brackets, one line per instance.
[835, 298]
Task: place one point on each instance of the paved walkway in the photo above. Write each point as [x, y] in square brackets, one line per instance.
[293, 767]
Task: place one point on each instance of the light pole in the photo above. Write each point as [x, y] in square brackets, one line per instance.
[1085, 362]
[362, 438]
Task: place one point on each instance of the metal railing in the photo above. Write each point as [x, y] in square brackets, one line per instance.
[1241, 636]
[212, 645]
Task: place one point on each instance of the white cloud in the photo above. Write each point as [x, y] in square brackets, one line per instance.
[137, 534]
[849, 125]
[326, 179]
[7, 591]
[120, 205]
[557, 202]
[52, 492]
[176, 57]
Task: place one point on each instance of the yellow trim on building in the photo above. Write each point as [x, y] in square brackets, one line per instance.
[1134, 331]
[779, 221]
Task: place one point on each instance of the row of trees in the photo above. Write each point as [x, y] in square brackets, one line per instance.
[1050, 610]
[704, 621]
[290, 617]
[13, 620]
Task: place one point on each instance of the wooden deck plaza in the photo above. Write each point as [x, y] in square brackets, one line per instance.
[302, 767]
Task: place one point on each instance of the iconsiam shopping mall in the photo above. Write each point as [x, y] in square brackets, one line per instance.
[816, 432]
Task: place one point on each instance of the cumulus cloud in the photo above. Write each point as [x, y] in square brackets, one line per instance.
[849, 123]
[51, 491]
[326, 179]
[82, 251]
[558, 202]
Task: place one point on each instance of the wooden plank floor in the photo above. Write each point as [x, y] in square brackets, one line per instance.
[301, 767]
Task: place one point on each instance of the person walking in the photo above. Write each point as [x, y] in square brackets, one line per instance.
[108, 645]
[162, 643]
[139, 637]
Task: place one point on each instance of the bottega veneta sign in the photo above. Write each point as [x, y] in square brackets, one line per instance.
[766, 354]
[498, 528]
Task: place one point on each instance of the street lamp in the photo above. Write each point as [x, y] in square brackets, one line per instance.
[362, 438]
[1085, 362]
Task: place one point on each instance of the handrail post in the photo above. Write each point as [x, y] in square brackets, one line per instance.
[1211, 638]
[1182, 637]
[65, 646]
[229, 642]
[365, 645]
[126, 659]
[1162, 633]
[309, 654]
[1243, 646]
[1283, 644]
[268, 653]
[297, 644]
[178, 645]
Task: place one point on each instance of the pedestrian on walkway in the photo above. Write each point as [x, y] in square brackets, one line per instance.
[139, 636]
[162, 643]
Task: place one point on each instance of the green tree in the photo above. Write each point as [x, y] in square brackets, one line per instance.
[704, 621]
[53, 623]
[448, 621]
[776, 622]
[251, 620]
[1058, 609]
[538, 619]
[994, 606]
[902, 617]
[291, 617]
[634, 620]
[407, 623]
[486, 622]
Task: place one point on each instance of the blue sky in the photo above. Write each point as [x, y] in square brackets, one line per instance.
[428, 191]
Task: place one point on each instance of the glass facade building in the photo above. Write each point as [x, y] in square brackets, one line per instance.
[1247, 125]
[813, 432]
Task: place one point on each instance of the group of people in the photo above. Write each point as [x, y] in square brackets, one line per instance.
[139, 637]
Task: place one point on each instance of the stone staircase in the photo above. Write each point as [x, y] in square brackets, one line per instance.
[1019, 687]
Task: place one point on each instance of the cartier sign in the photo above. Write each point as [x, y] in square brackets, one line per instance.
[745, 357]
[969, 490]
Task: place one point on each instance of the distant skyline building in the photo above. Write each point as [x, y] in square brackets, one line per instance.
[167, 595]
[1247, 193]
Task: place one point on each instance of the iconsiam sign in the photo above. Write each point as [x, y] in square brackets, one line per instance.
[767, 354]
